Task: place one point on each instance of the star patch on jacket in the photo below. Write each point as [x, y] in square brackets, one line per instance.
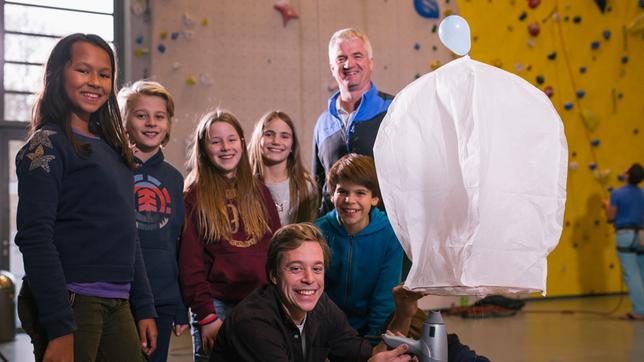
[36, 150]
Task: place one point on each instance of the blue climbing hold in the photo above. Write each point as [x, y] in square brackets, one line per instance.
[568, 106]
[606, 34]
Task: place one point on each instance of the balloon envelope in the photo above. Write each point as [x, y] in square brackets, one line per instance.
[472, 164]
[454, 33]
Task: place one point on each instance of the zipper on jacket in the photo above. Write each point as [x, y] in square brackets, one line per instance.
[347, 283]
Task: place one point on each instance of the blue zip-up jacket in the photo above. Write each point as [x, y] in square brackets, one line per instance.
[364, 268]
[158, 205]
[76, 223]
[330, 142]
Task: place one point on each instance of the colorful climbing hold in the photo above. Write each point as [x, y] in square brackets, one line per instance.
[522, 16]
[624, 59]
[161, 48]
[591, 121]
[139, 52]
[552, 55]
[595, 142]
[606, 34]
[594, 45]
[191, 80]
[549, 91]
[540, 79]
[576, 19]
[567, 106]
[592, 166]
[580, 93]
[533, 29]
[582, 70]
[532, 4]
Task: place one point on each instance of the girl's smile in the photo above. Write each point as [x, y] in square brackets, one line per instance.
[224, 148]
[88, 81]
[276, 142]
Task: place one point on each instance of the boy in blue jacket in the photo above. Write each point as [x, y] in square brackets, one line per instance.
[366, 257]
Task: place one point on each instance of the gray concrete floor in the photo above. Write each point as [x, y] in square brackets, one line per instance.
[551, 330]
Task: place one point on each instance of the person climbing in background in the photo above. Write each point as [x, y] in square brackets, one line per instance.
[626, 210]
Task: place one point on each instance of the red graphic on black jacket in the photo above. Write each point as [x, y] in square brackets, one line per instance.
[152, 203]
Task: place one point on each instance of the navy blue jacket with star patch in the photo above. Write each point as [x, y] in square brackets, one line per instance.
[158, 205]
[330, 142]
[76, 224]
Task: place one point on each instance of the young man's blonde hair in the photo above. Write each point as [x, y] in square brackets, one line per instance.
[345, 34]
[130, 93]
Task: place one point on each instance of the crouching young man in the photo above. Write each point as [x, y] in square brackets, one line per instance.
[291, 319]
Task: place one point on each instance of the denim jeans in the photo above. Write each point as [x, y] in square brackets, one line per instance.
[105, 330]
[223, 308]
[632, 269]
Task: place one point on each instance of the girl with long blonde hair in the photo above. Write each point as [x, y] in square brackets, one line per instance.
[230, 218]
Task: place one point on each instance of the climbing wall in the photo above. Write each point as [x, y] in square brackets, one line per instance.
[587, 56]
[252, 56]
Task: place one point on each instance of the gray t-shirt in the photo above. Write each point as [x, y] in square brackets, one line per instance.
[281, 197]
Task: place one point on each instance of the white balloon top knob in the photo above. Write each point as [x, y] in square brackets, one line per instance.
[454, 33]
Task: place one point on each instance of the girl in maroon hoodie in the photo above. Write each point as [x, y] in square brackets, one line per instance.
[230, 218]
